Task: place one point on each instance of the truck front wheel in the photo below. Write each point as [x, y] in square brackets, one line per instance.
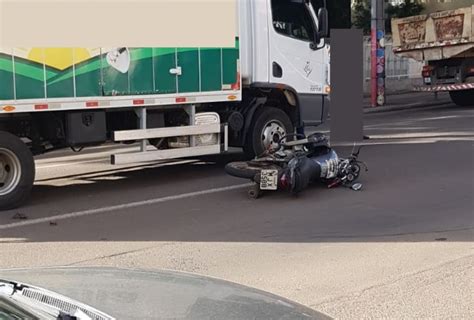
[268, 127]
[17, 171]
[463, 98]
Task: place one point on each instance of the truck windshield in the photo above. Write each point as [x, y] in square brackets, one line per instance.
[317, 4]
[292, 20]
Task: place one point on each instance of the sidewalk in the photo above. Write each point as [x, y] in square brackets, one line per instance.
[407, 101]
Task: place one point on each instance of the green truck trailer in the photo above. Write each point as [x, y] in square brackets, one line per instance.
[34, 74]
[170, 102]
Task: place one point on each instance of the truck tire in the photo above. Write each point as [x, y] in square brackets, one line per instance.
[463, 98]
[268, 127]
[17, 171]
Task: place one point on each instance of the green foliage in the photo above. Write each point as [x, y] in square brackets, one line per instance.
[339, 14]
[362, 13]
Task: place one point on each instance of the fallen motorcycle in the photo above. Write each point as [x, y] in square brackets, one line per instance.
[294, 164]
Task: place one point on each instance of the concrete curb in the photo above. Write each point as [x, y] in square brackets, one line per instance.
[417, 105]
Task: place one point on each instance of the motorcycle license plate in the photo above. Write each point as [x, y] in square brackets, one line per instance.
[269, 180]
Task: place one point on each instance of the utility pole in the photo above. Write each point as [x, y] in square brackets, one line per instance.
[378, 53]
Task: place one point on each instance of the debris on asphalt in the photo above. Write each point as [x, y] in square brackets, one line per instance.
[19, 216]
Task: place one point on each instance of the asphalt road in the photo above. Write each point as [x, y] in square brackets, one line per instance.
[401, 248]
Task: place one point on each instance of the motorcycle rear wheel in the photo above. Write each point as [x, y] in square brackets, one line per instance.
[249, 169]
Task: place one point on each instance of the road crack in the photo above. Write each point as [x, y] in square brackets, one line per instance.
[115, 255]
[359, 293]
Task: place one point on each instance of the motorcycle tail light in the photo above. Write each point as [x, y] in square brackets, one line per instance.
[285, 181]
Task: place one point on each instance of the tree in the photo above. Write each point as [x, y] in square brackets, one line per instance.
[362, 13]
[339, 14]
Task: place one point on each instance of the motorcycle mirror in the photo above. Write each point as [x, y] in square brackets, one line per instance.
[357, 186]
[358, 152]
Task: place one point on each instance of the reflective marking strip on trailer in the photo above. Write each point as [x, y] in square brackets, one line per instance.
[92, 104]
[68, 104]
[41, 107]
[8, 108]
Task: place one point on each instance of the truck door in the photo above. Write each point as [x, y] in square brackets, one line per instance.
[294, 61]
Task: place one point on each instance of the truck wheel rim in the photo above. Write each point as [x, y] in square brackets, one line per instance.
[272, 133]
[10, 171]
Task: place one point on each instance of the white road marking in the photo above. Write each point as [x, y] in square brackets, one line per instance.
[415, 135]
[131, 205]
[409, 121]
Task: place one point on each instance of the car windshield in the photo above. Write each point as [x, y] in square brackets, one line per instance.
[12, 311]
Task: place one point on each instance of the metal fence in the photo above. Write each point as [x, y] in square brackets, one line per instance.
[395, 67]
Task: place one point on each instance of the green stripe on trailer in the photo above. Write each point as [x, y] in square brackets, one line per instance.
[141, 79]
[211, 72]
[229, 65]
[188, 60]
[29, 88]
[149, 72]
[163, 61]
[6, 79]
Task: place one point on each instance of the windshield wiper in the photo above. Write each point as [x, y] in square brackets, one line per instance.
[48, 304]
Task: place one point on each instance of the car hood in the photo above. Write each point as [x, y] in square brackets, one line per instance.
[141, 294]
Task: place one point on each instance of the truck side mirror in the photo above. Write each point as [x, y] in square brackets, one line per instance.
[322, 27]
[323, 23]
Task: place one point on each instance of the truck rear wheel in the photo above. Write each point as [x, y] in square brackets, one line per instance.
[268, 127]
[17, 171]
[463, 98]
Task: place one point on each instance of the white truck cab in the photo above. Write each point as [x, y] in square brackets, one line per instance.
[283, 46]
